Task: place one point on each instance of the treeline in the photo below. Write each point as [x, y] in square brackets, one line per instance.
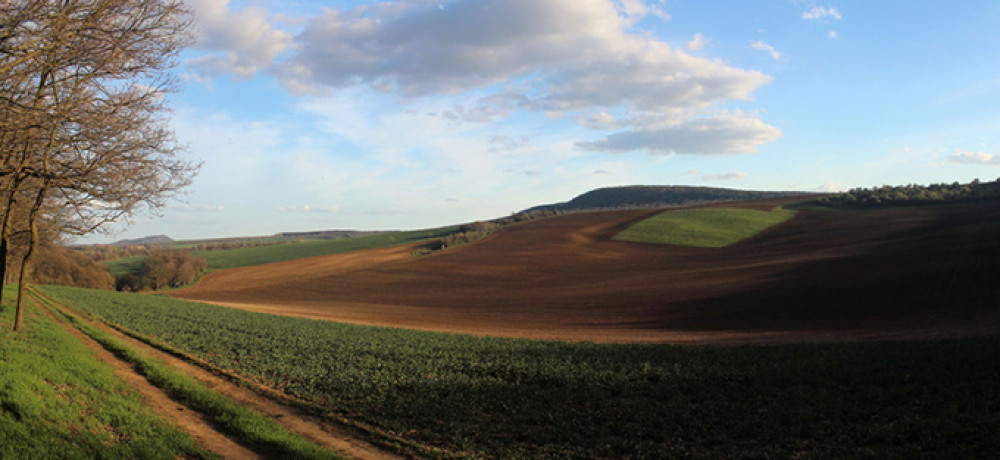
[646, 196]
[102, 252]
[910, 194]
[475, 231]
[164, 269]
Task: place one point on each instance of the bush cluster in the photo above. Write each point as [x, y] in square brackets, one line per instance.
[887, 195]
[58, 265]
[166, 269]
[475, 231]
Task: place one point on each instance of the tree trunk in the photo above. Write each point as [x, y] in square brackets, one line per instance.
[32, 243]
[8, 212]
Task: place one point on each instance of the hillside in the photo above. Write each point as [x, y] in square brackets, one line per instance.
[649, 196]
[155, 239]
[823, 275]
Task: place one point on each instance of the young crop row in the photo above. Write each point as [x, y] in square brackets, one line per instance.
[520, 398]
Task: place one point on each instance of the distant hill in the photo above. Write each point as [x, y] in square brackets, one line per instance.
[155, 239]
[327, 234]
[643, 196]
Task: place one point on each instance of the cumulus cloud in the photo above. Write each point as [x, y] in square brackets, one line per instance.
[574, 59]
[583, 48]
[735, 175]
[760, 45]
[241, 42]
[698, 42]
[725, 134]
[599, 120]
[832, 34]
[820, 12]
[974, 158]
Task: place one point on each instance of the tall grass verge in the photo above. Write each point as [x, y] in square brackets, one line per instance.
[58, 401]
[262, 434]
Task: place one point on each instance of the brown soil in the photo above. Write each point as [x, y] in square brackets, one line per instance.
[822, 276]
[321, 432]
[193, 423]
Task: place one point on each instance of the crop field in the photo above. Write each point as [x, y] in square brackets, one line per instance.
[522, 398]
[704, 227]
[119, 267]
[822, 275]
[58, 401]
[243, 257]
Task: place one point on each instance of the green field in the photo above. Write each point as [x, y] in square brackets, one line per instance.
[244, 257]
[704, 227]
[119, 267]
[58, 401]
[543, 399]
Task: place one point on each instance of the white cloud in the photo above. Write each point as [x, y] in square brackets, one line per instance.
[820, 12]
[599, 120]
[583, 50]
[832, 34]
[974, 158]
[239, 42]
[735, 175]
[725, 134]
[574, 59]
[698, 42]
[760, 45]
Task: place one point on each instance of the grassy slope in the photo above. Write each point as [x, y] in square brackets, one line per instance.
[704, 227]
[522, 398]
[251, 428]
[58, 401]
[243, 257]
[124, 265]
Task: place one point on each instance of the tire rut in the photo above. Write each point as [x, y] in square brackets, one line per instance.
[326, 434]
[192, 422]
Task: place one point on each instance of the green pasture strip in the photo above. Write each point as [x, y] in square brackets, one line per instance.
[508, 398]
[262, 434]
[704, 227]
[244, 257]
[57, 401]
[125, 265]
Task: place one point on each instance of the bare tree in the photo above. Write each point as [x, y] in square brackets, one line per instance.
[85, 137]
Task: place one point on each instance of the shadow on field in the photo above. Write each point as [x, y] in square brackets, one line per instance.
[940, 273]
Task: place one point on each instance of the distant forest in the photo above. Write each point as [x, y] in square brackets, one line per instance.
[911, 194]
[649, 196]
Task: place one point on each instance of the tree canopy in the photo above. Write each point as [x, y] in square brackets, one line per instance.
[83, 128]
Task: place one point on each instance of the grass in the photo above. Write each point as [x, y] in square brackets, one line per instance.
[243, 257]
[704, 227]
[125, 265]
[58, 401]
[511, 398]
[264, 435]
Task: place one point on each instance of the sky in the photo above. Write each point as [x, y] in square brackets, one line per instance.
[313, 115]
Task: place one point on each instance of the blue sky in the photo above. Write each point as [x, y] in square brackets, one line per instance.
[313, 115]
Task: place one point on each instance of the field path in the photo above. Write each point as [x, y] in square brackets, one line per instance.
[321, 432]
[822, 276]
[193, 423]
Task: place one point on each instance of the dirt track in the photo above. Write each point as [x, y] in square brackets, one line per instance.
[822, 276]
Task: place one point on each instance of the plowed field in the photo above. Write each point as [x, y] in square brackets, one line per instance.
[824, 275]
